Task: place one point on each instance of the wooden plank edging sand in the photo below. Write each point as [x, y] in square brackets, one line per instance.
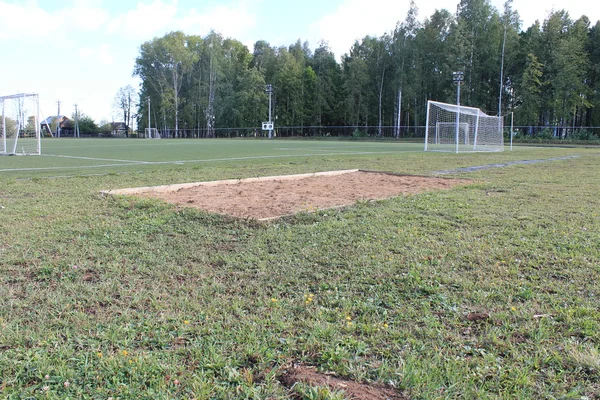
[175, 187]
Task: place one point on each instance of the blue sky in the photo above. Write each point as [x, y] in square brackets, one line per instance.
[83, 51]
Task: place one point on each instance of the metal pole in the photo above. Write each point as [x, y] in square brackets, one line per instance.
[427, 124]
[270, 122]
[76, 134]
[512, 115]
[269, 89]
[19, 116]
[149, 129]
[58, 120]
[38, 134]
[457, 113]
[458, 77]
[3, 127]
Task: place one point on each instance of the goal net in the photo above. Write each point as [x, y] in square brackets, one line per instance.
[20, 124]
[457, 129]
[152, 133]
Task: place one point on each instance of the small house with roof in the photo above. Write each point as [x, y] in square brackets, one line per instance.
[119, 129]
[57, 126]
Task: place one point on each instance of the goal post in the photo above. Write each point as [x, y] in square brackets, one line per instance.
[453, 128]
[152, 133]
[20, 124]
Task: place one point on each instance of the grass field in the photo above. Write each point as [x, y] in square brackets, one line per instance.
[118, 297]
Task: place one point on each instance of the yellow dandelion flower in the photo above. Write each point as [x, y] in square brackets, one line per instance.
[186, 322]
[385, 325]
[513, 308]
[99, 354]
[349, 323]
[348, 318]
[273, 300]
[125, 352]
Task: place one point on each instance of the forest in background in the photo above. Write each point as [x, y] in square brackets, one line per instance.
[547, 74]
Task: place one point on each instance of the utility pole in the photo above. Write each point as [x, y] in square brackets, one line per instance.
[149, 130]
[458, 77]
[270, 91]
[76, 133]
[58, 120]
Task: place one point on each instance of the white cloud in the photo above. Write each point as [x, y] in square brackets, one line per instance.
[232, 21]
[101, 54]
[25, 21]
[85, 16]
[146, 20]
[29, 22]
[530, 11]
[355, 19]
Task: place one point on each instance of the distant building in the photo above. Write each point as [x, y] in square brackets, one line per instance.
[57, 126]
[119, 128]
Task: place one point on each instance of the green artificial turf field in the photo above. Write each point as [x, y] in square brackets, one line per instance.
[487, 290]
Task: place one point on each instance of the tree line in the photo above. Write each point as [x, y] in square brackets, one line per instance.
[547, 74]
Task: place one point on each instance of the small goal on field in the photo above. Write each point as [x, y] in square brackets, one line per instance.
[20, 124]
[152, 133]
[454, 128]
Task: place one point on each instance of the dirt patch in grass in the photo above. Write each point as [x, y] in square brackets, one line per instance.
[272, 197]
[354, 390]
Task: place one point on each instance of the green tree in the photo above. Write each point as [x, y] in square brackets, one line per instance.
[327, 88]
[406, 63]
[124, 103]
[565, 67]
[162, 65]
[355, 83]
[87, 125]
[592, 116]
[530, 92]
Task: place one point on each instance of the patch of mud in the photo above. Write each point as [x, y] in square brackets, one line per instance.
[506, 164]
[267, 198]
[354, 390]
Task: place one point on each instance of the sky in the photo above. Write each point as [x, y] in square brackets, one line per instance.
[82, 51]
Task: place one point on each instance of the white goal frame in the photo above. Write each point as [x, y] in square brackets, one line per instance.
[151, 133]
[455, 128]
[18, 113]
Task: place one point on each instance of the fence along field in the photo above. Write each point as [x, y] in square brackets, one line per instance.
[487, 290]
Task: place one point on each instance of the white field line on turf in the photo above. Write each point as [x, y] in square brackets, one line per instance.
[94, 158]
[181, 162]
[177, 142]
[306, 148]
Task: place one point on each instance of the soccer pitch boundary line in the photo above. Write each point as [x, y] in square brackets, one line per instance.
[182, 162]
[93, 158]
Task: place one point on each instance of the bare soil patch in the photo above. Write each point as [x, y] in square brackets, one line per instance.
[354, 390]
[266, 198]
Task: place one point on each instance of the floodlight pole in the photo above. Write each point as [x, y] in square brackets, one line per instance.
[149, 130]
[269, 90]
[76, 133]
[458, 77]
[3, 127]
[512, 120]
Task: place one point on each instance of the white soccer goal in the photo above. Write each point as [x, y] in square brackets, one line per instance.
[457, 129]
[20, 125]
[152, 133]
